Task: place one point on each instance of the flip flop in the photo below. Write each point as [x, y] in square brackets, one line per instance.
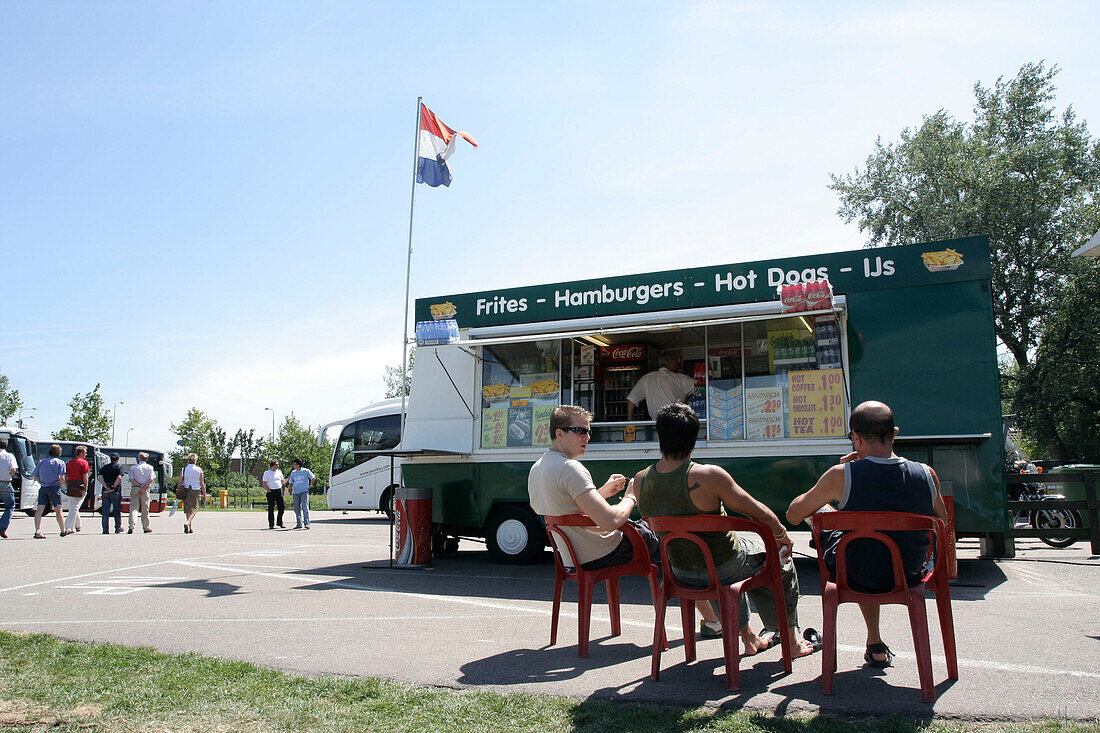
[814, 638]
[878, 648]
[772, 638]
[39, 536]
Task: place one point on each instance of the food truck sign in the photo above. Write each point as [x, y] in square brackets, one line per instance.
[853, 271]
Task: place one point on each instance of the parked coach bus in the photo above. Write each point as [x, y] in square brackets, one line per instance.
[359, 481]
[909, 325]
[21, 444]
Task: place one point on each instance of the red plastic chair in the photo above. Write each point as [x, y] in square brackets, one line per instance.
[728, 596]
[836, 591]
[586, 579]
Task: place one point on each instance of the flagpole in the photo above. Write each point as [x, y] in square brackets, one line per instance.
[408, 269]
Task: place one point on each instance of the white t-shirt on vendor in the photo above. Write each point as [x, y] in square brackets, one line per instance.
[554, 484]
[273, 480]
[661, 388]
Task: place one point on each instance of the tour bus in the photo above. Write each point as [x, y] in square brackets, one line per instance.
[21, 444]
[359, 481]
[162, 471]
[775, 380]
[96, 456]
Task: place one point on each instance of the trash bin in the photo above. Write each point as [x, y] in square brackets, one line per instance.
[223, 497]
[413, 527]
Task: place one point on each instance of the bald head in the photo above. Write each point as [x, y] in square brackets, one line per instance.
[874, 421]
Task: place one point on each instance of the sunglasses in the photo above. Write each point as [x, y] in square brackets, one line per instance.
[579, 430]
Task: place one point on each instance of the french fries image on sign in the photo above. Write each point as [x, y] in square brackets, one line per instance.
[544, 387]
[947, 259]
[495, 392]
[442, 311]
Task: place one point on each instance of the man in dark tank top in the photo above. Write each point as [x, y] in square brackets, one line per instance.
[873, 478]
[675, 486]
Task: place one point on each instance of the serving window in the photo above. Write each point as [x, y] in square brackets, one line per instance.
[772, 378]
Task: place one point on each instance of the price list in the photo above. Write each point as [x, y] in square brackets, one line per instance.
[816, 403]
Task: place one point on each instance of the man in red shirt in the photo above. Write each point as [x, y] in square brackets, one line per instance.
[76, 487]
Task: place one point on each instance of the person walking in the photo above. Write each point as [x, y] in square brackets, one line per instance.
[8, 467]
[141, 478]
[111, 476]
[76, 486]
[192, 487]
[50, 473]
[273, 481]
[301, 481]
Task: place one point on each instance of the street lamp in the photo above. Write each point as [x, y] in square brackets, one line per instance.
[266, 409]
[19, 417]
[128, 431]
[114, 414]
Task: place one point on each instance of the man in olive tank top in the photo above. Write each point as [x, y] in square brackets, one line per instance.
[873, 478]
[675, 486]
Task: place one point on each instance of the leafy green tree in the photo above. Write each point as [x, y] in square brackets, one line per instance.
[10, 402]
[196, 432]
[394, 382]
[221, 453]
[251, 449]
[298, 441]
[89, 420]
[1020, 172]
[1058, 400]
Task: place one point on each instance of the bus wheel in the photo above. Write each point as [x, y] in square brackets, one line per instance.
[385, 503]
[514, 535]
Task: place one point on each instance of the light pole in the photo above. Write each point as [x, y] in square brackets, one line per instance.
[266, 409]
[128, 431]
[19, 417]
[114, 414]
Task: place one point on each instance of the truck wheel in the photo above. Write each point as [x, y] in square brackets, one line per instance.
[514, 535]
[385, 503]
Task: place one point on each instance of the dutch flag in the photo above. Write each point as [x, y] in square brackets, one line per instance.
[435, 145]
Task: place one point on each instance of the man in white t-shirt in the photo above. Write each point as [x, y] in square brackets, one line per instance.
[8, 467]
[273, 481]
[559, 484]
[660, 388]
[141, 478]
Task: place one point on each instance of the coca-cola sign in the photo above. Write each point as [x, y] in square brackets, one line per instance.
[623, 353]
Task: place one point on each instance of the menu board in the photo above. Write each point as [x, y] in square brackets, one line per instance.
[519, 425]
[764, 413]
[494, 424]
[816, 403]
[542, 424]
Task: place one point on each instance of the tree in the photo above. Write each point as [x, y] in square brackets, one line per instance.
[196, 432]
[251, 449]
[394, 382]
[89, 420]
[1058, 397]
[10, 402]
[298, 441]
[1020, 173]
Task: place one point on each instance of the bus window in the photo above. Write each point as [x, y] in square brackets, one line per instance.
[372, 433]
[24, 453]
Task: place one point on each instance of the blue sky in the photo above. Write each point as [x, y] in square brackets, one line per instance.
[206, 204]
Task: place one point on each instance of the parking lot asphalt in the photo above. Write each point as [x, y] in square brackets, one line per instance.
[325, 601]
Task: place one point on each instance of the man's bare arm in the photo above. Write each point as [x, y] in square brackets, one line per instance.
[605, 516]
[830, 487]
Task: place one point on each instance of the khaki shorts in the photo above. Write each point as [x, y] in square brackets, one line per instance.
[190, 499]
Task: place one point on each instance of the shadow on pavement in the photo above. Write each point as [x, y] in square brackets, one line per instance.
[212, 588]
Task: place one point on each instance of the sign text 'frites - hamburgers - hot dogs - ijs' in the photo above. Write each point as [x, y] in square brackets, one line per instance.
[854, 271]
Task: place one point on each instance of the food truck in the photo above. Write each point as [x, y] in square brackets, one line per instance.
[779, 351]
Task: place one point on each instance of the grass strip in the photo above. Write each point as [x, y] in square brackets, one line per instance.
[50, 684]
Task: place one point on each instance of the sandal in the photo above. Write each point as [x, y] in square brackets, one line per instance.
[813, 638]
[878, 648]
[710, 630]
[39, 536]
